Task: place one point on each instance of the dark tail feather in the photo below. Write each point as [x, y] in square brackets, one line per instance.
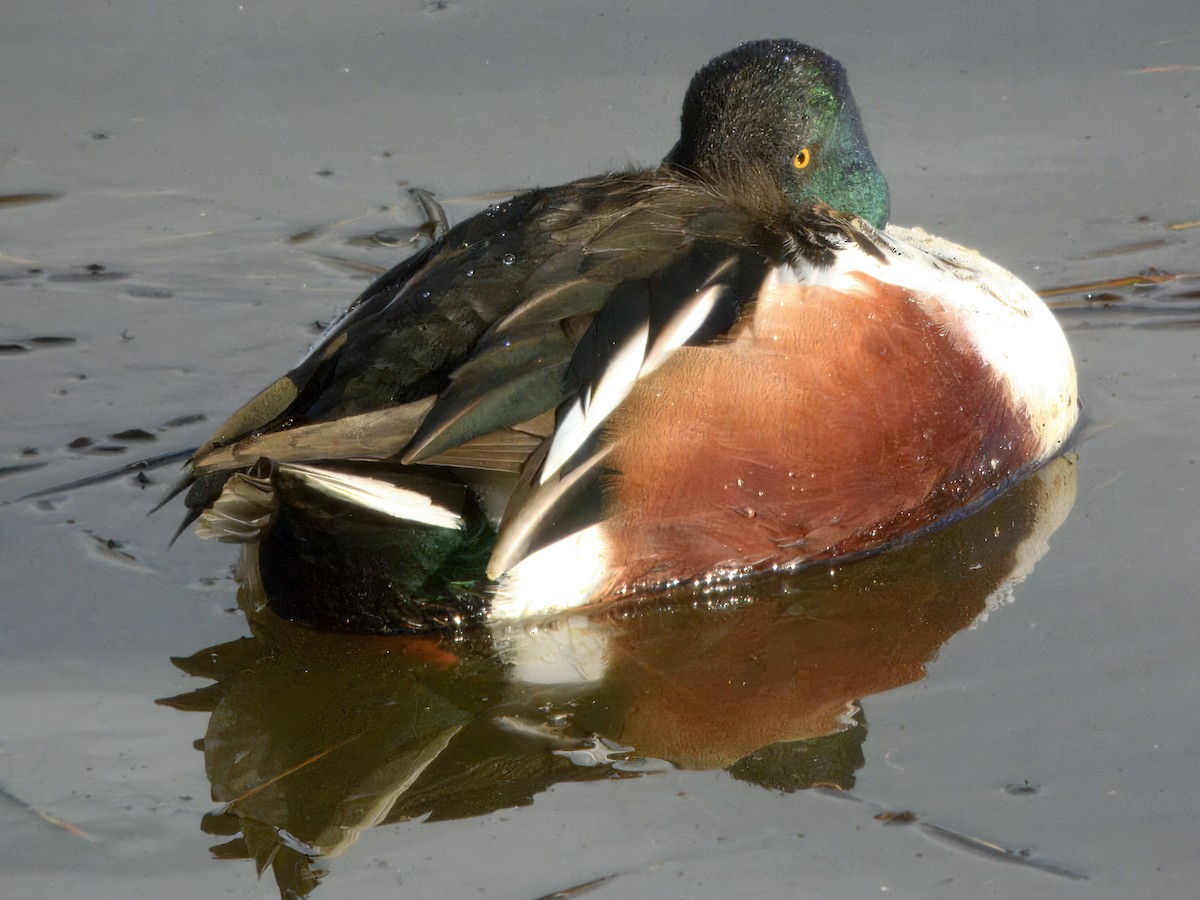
[172, 492]
[188, 520]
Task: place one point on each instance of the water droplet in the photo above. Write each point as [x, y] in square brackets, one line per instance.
[508, 259]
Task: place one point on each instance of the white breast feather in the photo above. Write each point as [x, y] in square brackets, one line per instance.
[983, 305]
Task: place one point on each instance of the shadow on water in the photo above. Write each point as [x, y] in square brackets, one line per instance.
[313, 737]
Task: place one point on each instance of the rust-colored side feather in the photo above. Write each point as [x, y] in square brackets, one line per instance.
[831, 423]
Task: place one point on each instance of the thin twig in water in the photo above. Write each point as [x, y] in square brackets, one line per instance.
[150, 463]
[1156, 70]
[578, 889]
[992, 850]
[976, 845]
[1130, 281]
[48, 817]
[263, 785]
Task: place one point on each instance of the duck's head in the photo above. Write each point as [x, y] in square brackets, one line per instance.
[784, 108]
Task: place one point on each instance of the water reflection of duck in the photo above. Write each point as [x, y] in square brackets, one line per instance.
[722, 364]
[314, 737]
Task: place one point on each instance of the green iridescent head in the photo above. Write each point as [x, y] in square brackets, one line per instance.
[785, 108]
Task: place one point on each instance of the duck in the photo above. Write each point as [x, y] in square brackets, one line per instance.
[726, 363]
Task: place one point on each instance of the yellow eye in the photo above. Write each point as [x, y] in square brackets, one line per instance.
[802, 159]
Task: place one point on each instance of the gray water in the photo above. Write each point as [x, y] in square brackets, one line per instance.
[220, 161]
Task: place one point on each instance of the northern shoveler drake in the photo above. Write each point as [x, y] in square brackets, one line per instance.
[725, 363]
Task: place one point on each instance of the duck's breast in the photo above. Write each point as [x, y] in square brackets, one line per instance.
[850, 407]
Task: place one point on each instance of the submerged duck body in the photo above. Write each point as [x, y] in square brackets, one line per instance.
[727, 363]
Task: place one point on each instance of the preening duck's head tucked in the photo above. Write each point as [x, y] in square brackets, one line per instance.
[785, 108]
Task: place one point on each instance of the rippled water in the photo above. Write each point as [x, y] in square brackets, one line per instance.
[192, 192]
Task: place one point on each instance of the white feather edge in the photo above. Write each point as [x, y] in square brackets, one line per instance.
[633, 360]
[978, 303]
[567, 574]
[517, 528]
[594, 405]
[376, 494]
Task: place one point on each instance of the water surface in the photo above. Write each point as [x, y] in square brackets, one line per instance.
[208, 174]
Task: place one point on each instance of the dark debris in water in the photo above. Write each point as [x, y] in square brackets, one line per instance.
[93, 272]
[1022, 789]
[14, 348]
[303, 237]
[143, 292]
[17, 468]
[133, 434]
[111, 548]
[903, 817]
[76, 274]
[578, 889]
[70, 275]
[26, 199]
[91, 446]
[137, 466]
[181, 421]
[115, 443]
[52, 340]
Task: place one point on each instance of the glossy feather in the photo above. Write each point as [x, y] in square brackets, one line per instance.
[722, 363]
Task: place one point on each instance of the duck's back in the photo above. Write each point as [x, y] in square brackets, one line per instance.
[461, 356]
